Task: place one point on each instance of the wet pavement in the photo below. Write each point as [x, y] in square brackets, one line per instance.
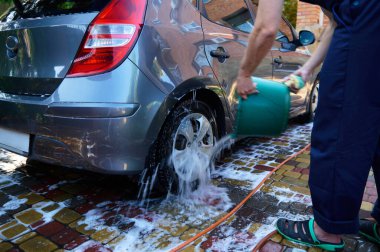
[288, 186]
[49, 208]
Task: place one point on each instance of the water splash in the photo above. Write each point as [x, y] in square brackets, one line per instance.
[195, 167]
[147, 181]
[224, 143]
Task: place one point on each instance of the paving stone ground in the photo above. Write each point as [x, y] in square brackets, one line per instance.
[47, 208]
[286, 194]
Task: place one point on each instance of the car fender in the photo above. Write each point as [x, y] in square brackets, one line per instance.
[189, 89]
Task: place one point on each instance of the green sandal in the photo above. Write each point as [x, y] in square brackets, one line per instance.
[368, 229]
[304, 234]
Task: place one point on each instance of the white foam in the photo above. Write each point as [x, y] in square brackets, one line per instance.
[287, 215]
[103, 204]
[289, 196]
[132, 240]
[252, 179]
[55, 186]
[48, 216]
[89, 244]
[93, 220]
[234, 240]
[12, 162]
[13, 204]
[4, 179]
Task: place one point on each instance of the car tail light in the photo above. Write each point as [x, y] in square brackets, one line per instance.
[109, 38]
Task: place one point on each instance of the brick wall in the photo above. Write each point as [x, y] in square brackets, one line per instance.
[310, 17]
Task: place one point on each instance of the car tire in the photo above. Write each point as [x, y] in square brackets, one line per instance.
[171, 138]
[34, 163]
[312, 106]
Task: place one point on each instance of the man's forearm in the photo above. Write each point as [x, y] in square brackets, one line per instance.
[262, 38]
[259, 44]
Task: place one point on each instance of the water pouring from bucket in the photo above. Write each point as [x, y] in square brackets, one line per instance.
[263, 114]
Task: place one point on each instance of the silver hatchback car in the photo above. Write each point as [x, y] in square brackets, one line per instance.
[117, 86]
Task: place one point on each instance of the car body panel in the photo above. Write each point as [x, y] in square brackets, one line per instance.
[234, 43]
[109, 122]
[43, 52]
[170, 52]
[104, 144]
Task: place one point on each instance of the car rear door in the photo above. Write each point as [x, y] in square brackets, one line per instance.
[226, 26]
[39, 41]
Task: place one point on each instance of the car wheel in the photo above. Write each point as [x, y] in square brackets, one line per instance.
[313, 102]
[314, 99]
[189, 131]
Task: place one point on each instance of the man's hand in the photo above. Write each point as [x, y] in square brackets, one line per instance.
[245, 86]
[303, 72]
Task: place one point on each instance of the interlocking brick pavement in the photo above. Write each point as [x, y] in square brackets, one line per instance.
[297, 203]
[53, 208]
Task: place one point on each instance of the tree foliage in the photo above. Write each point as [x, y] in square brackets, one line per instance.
[4, 5]
[290, 11]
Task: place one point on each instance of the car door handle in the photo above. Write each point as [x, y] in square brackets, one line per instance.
[220, 53]
[278, 61]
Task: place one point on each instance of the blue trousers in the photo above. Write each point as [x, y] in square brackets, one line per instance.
[346, 134]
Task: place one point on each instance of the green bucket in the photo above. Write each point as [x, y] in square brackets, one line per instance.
[265, 113]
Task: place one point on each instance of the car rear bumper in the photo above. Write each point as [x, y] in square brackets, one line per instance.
[107, 145]
[101, 144]
[109, 127]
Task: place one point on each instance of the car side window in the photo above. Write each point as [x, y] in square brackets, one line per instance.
[284, 33]
[230, 13]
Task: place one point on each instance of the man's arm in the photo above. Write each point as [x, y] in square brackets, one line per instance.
[260, 41]
[306, 71]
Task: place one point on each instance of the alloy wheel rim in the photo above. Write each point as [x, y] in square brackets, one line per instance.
[314, 98]
[192, 147]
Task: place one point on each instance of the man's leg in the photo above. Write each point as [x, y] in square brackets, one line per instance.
[347, 126]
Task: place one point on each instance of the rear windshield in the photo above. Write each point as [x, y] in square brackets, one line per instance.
[11, 10]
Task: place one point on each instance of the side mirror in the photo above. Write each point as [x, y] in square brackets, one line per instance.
[306, 38]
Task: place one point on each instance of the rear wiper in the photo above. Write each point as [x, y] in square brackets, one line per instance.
[19, 7]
